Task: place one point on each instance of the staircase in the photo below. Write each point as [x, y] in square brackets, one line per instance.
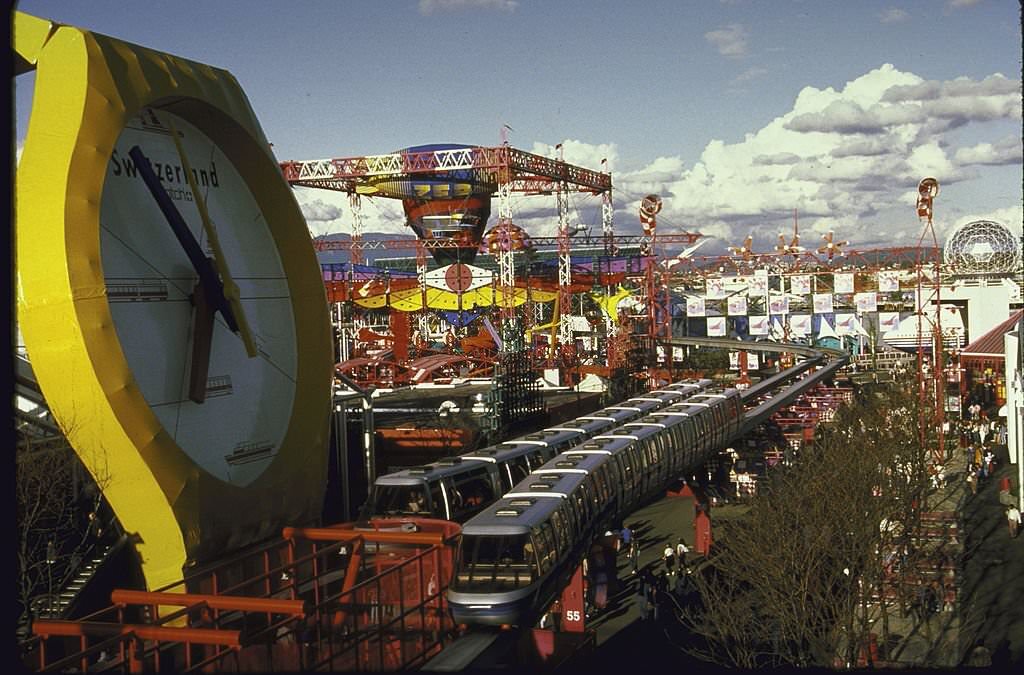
[66, 597]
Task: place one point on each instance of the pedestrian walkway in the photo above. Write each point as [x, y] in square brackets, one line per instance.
[992, 586]
[984, 606]
[987, 599]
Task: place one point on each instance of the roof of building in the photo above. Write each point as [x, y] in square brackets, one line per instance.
[991, 343]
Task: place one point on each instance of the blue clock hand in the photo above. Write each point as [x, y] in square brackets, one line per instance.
[209, 281]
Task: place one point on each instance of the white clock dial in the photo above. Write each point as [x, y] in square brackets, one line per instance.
[236, 432]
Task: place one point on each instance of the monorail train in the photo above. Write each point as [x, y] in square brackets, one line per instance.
[517, 555]
[457, 488]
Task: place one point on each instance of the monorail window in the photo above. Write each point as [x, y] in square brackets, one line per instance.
[494, 563]
[535, 460]
[602, 487]
[472, 491]
[516, 469]
[400, 500]
[544, 542]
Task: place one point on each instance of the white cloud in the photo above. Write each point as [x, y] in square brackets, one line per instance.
[329, 212]
[730, 40]
[892, 15]
[1005, 151]
[959, 4]
[847, 159]
[587, 155]
[431, 6]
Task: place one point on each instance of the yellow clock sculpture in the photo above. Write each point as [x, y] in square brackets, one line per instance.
[169, 297]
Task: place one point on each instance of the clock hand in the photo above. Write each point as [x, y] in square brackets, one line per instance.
[209, 282]
[208, 296]
[231, 291]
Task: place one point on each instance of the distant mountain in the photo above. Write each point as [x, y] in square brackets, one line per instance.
[329, 257]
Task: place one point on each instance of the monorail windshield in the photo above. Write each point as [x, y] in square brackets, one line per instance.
[400, 500]
[495, 563]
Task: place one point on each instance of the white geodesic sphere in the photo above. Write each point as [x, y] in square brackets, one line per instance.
[983, 247]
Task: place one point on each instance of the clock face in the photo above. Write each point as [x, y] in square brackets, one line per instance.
[236, 432]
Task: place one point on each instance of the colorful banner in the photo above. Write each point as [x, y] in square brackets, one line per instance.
[759, 325]
[779, 305]
[759, 284]
[716, 289]
[888, 321]
[695, 306]
[842, 282]
[800, 324]
[716, 326]
[888, 281]
[866, 302]
[800, 284]
[844, 324]
[822, 303]
[752, 361]
[737, 305]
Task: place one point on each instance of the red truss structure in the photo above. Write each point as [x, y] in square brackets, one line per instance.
[525, 171]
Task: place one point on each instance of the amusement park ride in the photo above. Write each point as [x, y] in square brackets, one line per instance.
[446, 192]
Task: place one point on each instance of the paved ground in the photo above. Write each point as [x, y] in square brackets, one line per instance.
[985, 627]
[992, 610]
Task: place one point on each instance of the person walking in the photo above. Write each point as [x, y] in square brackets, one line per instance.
[972, 480]
[1013, 520]
[681, 550]
[669, 556]
[634, 555]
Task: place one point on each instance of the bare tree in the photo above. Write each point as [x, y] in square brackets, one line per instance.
[57, 520]
[809, 572]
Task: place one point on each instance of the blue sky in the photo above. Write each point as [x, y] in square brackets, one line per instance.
[736, 112]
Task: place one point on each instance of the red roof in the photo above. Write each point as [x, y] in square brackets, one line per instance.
[991, 343]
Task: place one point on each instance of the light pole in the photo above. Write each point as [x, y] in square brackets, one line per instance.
[51, 559]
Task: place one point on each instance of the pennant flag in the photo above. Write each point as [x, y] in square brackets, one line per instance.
[734, 360]
[825, 330]
[800, 284]
[737, 305]
[759, 284]
[695, 306]
[822, 303]
[759, 325]
[866, 302]
[858, 328]
[842, 282]
[753, 363]
[800, 324]
[716, 326]
[888, 321]
[888, 281]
